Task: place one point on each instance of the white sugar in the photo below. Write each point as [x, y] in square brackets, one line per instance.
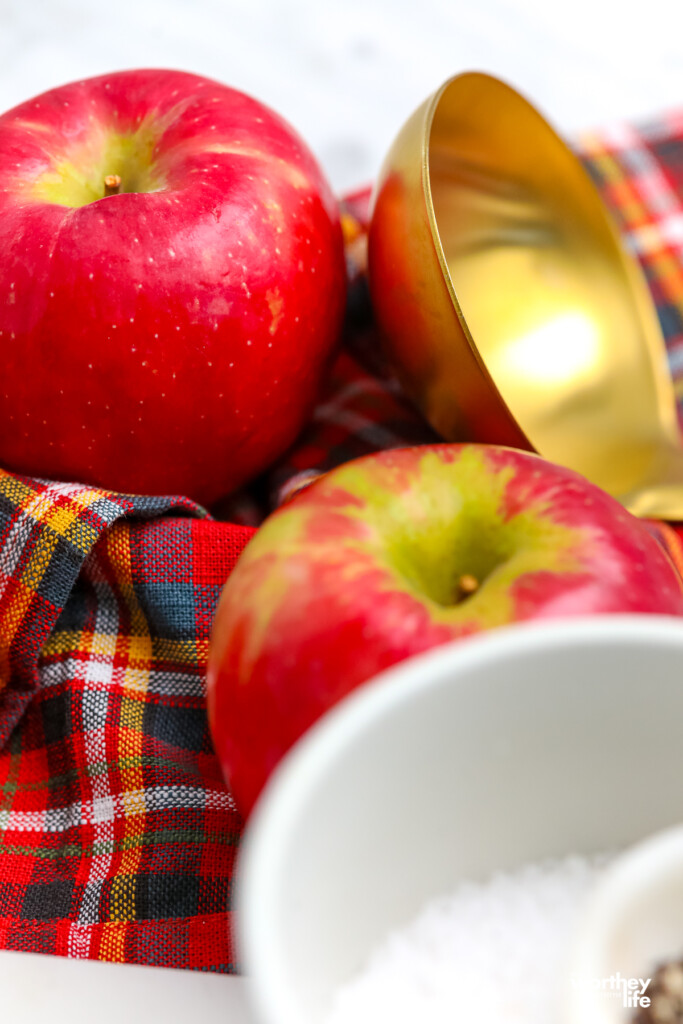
[493, 953]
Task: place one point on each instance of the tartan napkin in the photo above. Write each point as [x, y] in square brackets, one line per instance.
[117, 833]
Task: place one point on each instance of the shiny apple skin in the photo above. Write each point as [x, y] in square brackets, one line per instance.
[169, 340]
[359, 572]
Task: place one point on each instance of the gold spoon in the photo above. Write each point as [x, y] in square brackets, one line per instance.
[507, 301]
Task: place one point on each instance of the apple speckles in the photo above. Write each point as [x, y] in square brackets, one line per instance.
[91, 276]
[150, 259]
[171, 253]
[248, 343]
[132, 319]
[156, 335]
[52, 295]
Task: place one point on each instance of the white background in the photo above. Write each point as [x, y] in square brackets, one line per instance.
[347, 74]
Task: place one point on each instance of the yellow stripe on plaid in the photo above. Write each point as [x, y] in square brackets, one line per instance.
[68, 641]
[632, 210]
[64, 519]
[113, 942]
[135, 649]
[667, 270]
[60, 522]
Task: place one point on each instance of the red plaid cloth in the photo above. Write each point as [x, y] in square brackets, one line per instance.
[117, 834]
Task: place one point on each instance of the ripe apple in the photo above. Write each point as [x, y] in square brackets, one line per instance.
[165, 331]
[394, 553]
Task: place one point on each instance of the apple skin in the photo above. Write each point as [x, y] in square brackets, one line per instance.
[360, 570]
[169, 339]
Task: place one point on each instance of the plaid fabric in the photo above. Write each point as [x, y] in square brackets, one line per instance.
[117, 834]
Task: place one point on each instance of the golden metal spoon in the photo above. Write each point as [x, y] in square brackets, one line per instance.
[508, 303]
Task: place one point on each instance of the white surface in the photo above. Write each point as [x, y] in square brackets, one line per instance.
[347, 73]
[50, 990]
[522, 744]
[631, 925]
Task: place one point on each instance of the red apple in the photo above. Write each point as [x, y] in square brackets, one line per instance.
[168, 338]
[394, 553]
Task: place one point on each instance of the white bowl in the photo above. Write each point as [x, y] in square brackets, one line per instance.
[631, 924]
[525, 743]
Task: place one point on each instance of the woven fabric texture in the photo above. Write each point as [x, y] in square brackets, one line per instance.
[117, 833]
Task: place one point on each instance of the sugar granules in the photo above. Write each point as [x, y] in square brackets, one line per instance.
[493, 952]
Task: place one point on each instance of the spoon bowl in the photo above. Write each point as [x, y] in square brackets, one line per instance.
[508, 303]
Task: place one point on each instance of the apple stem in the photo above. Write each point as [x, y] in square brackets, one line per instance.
[112, 184]
[467, 585]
